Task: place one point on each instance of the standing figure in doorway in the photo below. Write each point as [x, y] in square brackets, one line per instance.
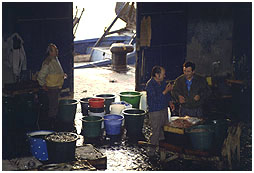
[190, 90]
[158, 100]
[51, 78]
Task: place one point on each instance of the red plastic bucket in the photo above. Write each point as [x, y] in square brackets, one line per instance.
[96, 102]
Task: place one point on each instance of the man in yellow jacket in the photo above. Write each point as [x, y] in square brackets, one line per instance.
[51, 78]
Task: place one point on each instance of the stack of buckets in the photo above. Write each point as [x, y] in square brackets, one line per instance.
[92, 124]
[134, 117]
[102, 112]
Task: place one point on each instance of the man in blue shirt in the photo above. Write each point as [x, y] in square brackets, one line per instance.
[158, 100]
[191, 91]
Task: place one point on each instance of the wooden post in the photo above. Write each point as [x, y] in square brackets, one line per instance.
[106, 32]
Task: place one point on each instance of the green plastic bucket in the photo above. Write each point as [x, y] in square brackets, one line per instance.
[67, 110]
[201, 137]
[134, 120]
[131, 97]
[91, 126]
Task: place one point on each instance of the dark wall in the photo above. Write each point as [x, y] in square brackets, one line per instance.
[209, 37]
[216, 36]
[168, 40]
[40, 24]
[242, 41]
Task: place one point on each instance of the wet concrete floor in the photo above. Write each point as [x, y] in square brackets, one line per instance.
[124, 154]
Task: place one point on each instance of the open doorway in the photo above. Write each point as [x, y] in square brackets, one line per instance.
[97, 29]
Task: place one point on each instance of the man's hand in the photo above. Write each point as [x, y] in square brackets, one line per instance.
[168, 88]
[172, 106]
[197, 98]
[181, 99]
[45, 88]
[65, 76]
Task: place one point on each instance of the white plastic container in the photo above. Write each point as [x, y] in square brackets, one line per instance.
[143, 101]
[116, 109]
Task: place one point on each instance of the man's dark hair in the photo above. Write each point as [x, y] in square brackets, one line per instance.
[156, 69]
[189, 64]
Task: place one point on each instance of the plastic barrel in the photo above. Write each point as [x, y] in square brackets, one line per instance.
[220, 131]
[91, 126]
[201, 137]
[109, 98]
[113, 124]
[27, 109]
[38, 146]
[61, 151]
[84, 105]
[134, 120]
[131, 97]
[67, 110]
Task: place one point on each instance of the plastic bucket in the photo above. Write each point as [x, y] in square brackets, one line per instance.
[116, 108]
[61, 146]
[134, 120]
[96, 110]
[109, 98]
[113, 124]
[100, 114]
[27, 110]
[96, 102]
[143, 101]
[201, 137]
[132, 97]
[220, 131]
[67, 110]
[38, 146]
[84, 105]
[127, 105]
[91, 126]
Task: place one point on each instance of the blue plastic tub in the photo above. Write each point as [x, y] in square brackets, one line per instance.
[38, 146]
[113, 124]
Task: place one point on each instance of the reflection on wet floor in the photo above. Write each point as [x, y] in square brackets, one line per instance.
[124, 154]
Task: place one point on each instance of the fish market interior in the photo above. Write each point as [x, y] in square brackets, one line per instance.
[95, 104]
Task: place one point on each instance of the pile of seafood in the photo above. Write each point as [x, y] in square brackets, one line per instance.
[184, 122]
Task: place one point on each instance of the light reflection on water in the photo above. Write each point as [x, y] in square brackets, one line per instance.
[121, 156]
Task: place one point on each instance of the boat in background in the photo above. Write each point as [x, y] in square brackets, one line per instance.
[96, 52]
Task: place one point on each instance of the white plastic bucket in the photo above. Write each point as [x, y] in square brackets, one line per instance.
[143, 101]
[116, 109]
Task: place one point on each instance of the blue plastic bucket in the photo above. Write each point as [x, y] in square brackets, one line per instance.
[127, 105]
[113, 124]
[38, 146]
